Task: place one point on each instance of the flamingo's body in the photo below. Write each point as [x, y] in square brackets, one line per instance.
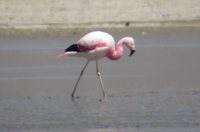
[96, 45]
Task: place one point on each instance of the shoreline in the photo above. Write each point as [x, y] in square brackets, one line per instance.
[42, 30]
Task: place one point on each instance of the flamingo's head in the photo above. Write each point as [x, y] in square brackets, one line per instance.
[130, 43]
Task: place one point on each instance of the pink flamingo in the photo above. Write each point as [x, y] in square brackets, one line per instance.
[94, 46]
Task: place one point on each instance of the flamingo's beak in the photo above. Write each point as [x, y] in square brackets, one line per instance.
[132, 49]
[132, 52]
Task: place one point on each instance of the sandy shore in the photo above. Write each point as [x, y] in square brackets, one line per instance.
[158, 89]
[49, 17]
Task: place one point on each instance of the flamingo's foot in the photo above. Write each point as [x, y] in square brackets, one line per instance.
[73, 98]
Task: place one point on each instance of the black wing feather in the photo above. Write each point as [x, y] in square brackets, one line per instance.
[73, 47]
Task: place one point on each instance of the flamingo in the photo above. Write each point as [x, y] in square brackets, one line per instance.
[94, 46]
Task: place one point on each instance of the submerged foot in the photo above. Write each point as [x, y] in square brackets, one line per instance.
[73, 98]
[104, 99]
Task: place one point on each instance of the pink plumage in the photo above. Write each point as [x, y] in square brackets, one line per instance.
[96, 45]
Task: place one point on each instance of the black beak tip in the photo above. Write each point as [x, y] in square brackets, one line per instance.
[132, 52]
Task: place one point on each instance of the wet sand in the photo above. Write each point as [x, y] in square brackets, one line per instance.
[158, 89]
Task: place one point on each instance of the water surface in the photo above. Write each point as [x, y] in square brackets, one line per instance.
[157, 89]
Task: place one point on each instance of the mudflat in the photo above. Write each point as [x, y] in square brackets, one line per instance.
[157, 89]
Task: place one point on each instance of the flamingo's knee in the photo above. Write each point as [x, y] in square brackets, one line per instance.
[98, 73]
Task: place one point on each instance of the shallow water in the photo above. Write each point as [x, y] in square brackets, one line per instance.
[156, 89]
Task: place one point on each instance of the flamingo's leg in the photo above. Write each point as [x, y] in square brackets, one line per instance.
[100, 80]
[82, 71]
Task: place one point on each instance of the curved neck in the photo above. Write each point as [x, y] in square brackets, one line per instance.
[116, 53]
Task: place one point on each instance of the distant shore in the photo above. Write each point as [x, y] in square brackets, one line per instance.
[61, 30]
[48, 17]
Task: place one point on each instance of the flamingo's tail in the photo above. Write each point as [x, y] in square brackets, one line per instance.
[71, 53]
[72, 50]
